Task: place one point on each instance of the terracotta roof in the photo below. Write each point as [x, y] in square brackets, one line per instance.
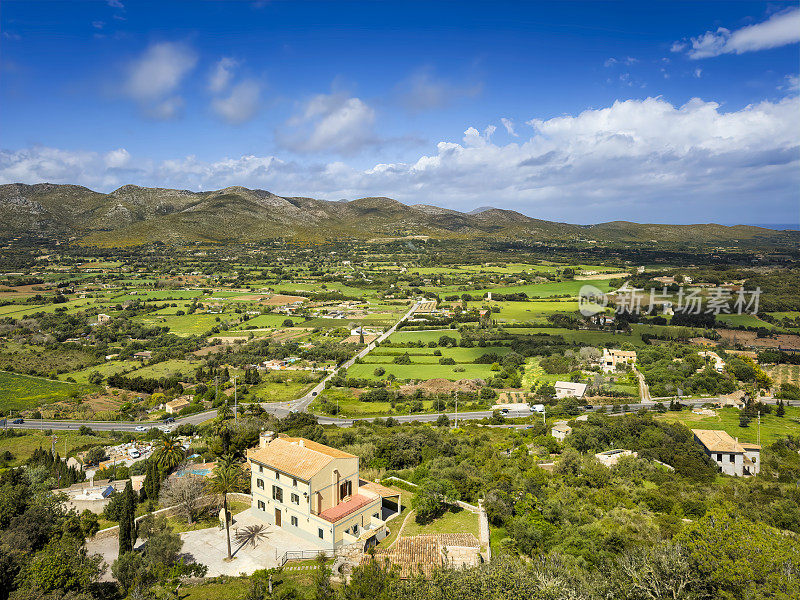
[421, 553]
[717, 441]
[748, 446]
[291, 458]
[322, 448]
[345, 508]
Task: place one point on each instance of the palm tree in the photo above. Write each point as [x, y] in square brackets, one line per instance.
[228, 477]
[169, 454]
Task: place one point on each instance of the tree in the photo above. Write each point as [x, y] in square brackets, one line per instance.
[127, 520]
[781, 410]
[288, 323]
[185, 492]
[96, 455]
[443, 421]
[152, 480]
[322, 580]
[227, 478]
[169, 454]
[63, 565]
[379, 372]
[432, 498]
[128, 570]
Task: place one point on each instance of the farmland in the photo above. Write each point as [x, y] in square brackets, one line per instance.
[19, 392]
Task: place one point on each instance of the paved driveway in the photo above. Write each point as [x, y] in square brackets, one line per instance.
[208, 546]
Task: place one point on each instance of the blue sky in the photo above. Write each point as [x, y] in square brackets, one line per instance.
[581, 112]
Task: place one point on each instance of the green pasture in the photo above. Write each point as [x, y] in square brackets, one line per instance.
[195, 324]
[270, 320]
[22, 447]
[166, 369]
[106, 369]
[19, 392]
[727, 419]
[422, 371]
[426, 355]
[521, 312]
[404, 336]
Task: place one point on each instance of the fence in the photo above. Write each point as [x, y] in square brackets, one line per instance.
[301, 555]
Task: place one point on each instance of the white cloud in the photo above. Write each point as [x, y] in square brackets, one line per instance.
[117, 159]
[159, 71]
[115, 4]
[221, 75]
[698, 73]
[780, 29]
[628, 60]
[424, 90]
[242, 103]
[98, 24]
[329, 123]
[156, 75]
[509, 125]
[644, 160]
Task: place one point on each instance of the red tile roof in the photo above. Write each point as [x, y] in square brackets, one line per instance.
[345, 508]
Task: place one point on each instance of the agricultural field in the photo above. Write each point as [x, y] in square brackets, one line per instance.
[27, 358]
[18, 392]
[23, 446]
[784, 374]
[727, 419]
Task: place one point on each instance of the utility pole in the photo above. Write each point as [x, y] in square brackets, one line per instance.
[759, 428]
[456, 409]
[235, 399]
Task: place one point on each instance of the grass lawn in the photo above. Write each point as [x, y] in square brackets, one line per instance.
[18, 392]
[727, 419]
[22, 447]
[426, 355]
[495, 535]
[351, 407]
[462, 521]
[546, 290]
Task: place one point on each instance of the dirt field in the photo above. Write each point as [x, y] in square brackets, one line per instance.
[280, 300]
[749, 338]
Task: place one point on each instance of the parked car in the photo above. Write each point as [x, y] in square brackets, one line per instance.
[18, 421]
[134, 453]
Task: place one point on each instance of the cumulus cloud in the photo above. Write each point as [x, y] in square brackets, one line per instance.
[636, 159]
[221, 74]
[241, 104]
[509, 125]
[329, 123]
[628, 60]
[154, 77]
[780, 29]
[424, 90]
[117, 159]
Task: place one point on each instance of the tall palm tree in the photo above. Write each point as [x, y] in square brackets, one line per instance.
[227, 478]
[170, 453]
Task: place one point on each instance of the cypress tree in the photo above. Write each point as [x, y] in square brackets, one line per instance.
[127, 523]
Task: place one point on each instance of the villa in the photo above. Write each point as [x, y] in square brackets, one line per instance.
[315, 492]
[733, 457]
[613, 358]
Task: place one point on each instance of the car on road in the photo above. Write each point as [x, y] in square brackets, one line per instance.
[588, 407]
[169, 420]
[313, 393]
[18, 421]
[165, 428]
[141, 428]
[504, 411]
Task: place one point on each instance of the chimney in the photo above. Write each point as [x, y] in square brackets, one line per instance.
[302, 443]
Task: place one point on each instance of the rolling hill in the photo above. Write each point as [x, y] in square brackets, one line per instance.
[135, 215]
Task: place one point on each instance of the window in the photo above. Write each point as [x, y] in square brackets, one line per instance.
[260, 484]
[261, 505]
[294, 521]
[277, 493]
[294, 482]
[295, 499]
[345, 489]
[260, 468]
[277, 476]
[730, 458]
[377, 516]
[319, 533]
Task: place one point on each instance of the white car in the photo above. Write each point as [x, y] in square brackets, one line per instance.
[141, 428]
[165, 428]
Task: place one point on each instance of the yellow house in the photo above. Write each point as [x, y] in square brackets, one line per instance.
[314, 491]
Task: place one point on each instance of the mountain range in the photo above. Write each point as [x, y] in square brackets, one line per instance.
[135, 215]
